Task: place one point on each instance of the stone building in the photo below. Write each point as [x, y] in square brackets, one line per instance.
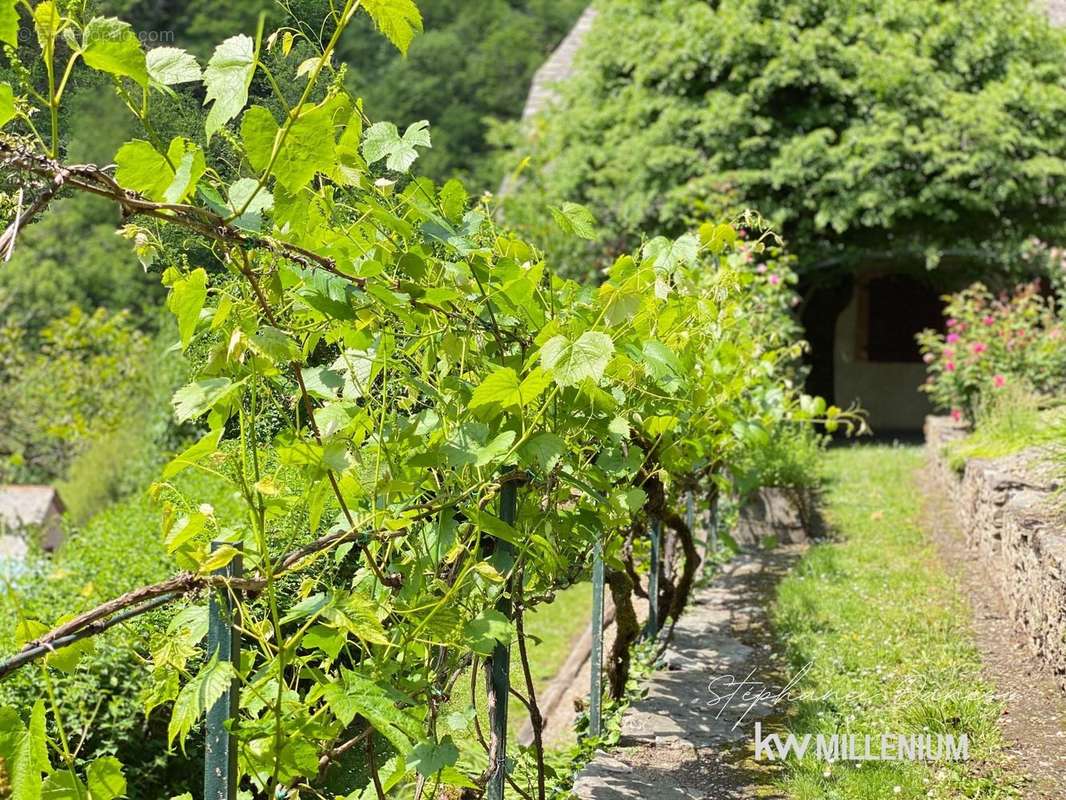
[27, 511]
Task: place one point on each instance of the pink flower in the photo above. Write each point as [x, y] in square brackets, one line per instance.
[978, 347]
[928, 358]
[952, 323]
[950, 366]
[774, 280]
[956, 415]
[989, 320]
[949, 353]
[952, 338]
[999, 381]
[761, 269]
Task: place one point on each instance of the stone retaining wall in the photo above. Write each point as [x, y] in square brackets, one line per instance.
[1006, 511]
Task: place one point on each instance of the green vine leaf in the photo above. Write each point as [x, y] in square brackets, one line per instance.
[7, 104]
[197, 696]
[383, 140]
[110, 45]
[9, 22]
[259, 130]
[144, 169]
[186, 301]
[430, 757]
[571, 363]
[169, 66]
[487, 630]
[197, 398]
[398, 20]
[105, 778]
[227, 78]
[358, 695]
[574, 219]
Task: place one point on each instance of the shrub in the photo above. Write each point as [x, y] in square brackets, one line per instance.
[866, 131]
[86, 375]
[992, 342]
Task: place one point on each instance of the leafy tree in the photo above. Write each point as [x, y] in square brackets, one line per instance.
[899, 132]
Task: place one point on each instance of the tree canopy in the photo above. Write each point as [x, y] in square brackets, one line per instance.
[905, 131]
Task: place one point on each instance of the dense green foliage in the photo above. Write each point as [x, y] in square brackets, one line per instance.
[901, 133]
[85, 377]
[375, 362]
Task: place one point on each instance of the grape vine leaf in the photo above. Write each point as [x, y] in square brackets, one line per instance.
[46, 22]
[574, 219]
[9, 22]
[24, 751]
[544, 450]
[360, 695]
[105, 778]
[197, 696]
[430, 757]
[572, 362]
[398, 20]
[192, 455]
[186, 301]
[7, 104]
[63, 785]
[144, 169]
[251, 199]
[383, 140]
[667, 254]
[227, 78]
[110, 45]
[502, 389]
[168, 66]
[258, 132]
[197, 398]
[485, 631]
[308, 148]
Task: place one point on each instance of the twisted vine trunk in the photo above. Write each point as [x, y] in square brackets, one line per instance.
[627, 630]
[691, 567]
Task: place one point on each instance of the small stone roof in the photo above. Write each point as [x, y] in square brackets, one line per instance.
[27, 505]
[1057, 11]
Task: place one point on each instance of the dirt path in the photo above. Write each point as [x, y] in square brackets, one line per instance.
[1034, 719]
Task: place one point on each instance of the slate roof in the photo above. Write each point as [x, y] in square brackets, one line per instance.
[1057, 11]
[26, 505]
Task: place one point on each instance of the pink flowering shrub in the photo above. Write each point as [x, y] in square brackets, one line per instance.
[991, 342]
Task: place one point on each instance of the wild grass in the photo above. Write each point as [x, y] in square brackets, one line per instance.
[886, 636]
[1014, 421]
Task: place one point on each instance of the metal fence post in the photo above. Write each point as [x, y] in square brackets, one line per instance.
[712, 529]
[653, 581]
[223, 641]
[499, 666]
[596, 657]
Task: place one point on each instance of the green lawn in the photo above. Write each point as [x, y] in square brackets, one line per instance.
[887, 638]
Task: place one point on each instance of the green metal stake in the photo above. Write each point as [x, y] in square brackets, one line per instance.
[499, 665]
[596, 662]
[712, 529]
[223, 641]
[653, 582]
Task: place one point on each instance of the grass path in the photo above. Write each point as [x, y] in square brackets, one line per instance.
[887, 640]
